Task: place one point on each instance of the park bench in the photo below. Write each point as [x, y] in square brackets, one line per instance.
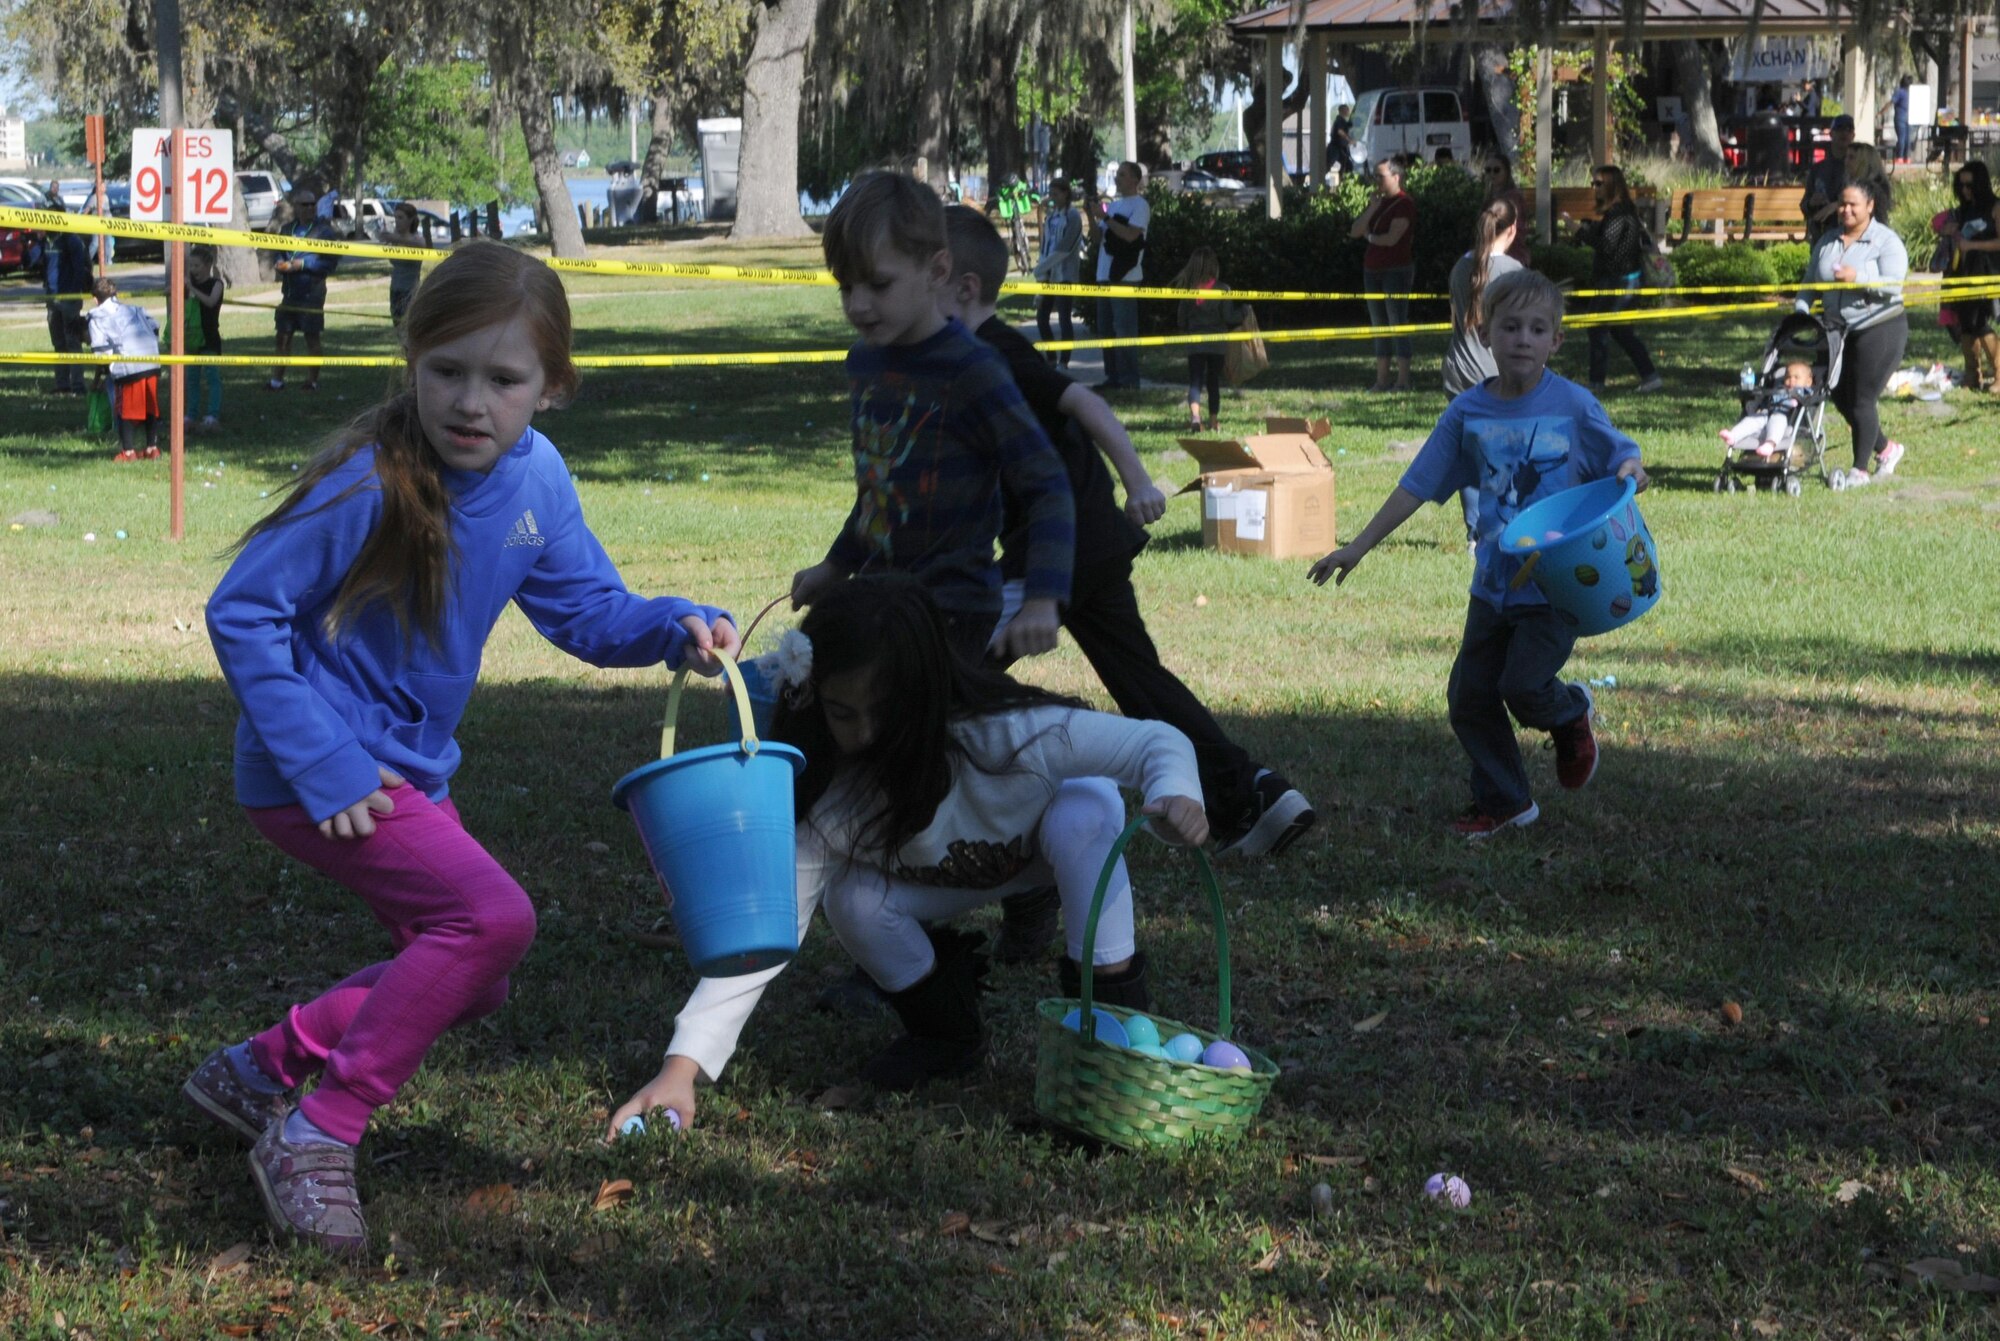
[1757, 213]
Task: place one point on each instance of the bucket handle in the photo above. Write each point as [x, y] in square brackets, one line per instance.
[750, 742]
[1088, 1022]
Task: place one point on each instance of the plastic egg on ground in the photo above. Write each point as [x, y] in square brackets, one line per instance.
[1139, 1030]
[1224, 1055]
[1183, 1048]
[1108, 1028]
[1448, 1187]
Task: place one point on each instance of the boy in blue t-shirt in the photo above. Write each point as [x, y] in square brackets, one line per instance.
[1517, 437]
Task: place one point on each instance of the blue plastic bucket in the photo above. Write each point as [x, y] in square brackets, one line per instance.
[1589, 551]
[716, 824]
[763, 698]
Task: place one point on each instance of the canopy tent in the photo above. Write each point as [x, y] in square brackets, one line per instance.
[1600, 22]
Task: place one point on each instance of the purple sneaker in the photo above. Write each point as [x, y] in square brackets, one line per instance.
[218, 1091]
[309, 1191]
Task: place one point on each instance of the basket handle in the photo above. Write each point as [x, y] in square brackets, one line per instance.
[741, 690]
[1087, 1023]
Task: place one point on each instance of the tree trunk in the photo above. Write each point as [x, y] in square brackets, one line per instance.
[934, 111]
[655, 165]
[767, 169]
[1694, 79]
[345, 114]
[531, 98]
[1490, 73]
[999, 114]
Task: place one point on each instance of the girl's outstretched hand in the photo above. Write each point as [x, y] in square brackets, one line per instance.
[358, 820]
[672, 1088]
[707, 640]
[1182, 818]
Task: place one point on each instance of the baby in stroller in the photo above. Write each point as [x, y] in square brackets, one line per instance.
[1771, 420]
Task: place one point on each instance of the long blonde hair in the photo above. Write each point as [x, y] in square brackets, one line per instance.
[405, 563]
[1202, 269]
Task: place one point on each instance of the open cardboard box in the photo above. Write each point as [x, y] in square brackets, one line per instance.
[1316, 429]
[1270, 495]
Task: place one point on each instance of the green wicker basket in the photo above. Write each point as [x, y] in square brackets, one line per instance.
[1126, 1098]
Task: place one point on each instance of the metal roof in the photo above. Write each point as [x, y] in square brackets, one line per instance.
[1392, 20]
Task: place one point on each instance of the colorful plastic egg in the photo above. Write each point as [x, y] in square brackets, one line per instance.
[1140, 1031]
[1153, 1050]
[1108, 1028]
[1224, 1055]
[1183, 1048]
[1450, 1188]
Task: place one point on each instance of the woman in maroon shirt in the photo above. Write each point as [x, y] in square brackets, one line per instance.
[1388, 268]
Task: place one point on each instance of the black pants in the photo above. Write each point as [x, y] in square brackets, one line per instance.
[129, 428]
[1206, 368]
[1063, 307]
[1603, 337]
[1508, 661]
[1866, 360]
[66, 337]
[1103, 617]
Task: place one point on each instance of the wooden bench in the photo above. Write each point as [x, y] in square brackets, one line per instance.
[1757, 213]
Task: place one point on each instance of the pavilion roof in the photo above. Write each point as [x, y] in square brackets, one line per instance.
[1392, 20]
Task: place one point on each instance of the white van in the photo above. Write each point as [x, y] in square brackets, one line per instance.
[1413, 121]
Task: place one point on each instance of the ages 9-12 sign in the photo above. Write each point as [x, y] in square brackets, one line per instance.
[206, 180]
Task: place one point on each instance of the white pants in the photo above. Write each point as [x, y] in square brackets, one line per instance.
[1774, 426]
[879, 918]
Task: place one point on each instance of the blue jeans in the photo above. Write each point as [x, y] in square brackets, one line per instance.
[1902, 139]
[1118, 319]
[1392, 308]
[1602, 337]
[1508, 661]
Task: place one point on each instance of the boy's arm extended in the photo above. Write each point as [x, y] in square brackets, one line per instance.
[1144, 503]
[1398, 508]
[1004, 426]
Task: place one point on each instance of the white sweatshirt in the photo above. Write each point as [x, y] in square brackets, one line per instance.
[121, 328]
[983, 836]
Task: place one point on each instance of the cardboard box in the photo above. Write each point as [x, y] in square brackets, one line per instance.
[1316, 429]
[1270, 495]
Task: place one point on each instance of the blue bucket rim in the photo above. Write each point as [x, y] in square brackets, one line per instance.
[1510, 537]
[622, 789]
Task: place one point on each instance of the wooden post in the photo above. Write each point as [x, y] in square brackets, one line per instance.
[1318, 121]
[1545, 102]
[1274, 124]
[1857, 89]
[1965, 80]
[1603, 137]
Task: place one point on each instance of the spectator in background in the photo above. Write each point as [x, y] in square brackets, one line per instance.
[1899, 104]
[1500, 185]
[404, 275]
[64, 259]
[1865, 165]
[1060, 263]
[202, 318]
[1388, 267]
[1825, 178]
[302, 277]
[1341, 147]
[1975, 234]
[1617, 242]
[1121, 259]
[1871, 324]
[1467, 360]
[1205, 316]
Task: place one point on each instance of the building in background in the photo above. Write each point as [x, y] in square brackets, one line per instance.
[13, 142]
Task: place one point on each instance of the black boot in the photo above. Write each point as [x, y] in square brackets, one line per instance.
[855, 994]
[1028, 922]
[1126, 988]
[941, 1014]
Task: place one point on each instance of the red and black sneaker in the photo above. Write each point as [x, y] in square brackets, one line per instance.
[1576, 746]
[1476, 824]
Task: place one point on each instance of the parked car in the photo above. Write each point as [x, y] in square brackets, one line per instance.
[261, 193]
[20, 193]
[1413, 121]
[1208, 183]
[1234, 164]
[118, 204]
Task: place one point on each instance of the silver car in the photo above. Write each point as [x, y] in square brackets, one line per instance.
[261, 193]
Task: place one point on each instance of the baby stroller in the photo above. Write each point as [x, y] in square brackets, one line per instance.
[1799, 338]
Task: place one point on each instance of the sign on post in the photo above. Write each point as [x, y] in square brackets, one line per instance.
[206, 175]
[93, 139]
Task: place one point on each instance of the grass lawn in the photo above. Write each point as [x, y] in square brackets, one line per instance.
[1795, 814]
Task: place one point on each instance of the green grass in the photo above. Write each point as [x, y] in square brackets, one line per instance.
[1795, 812]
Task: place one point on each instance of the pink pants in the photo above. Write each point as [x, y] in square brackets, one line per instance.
[460, 924]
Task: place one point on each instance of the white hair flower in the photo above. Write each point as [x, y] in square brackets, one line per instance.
[792, 663]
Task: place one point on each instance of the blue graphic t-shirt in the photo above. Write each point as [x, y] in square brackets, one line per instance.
[1515, 452]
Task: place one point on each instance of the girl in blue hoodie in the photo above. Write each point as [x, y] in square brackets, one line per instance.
[350, 628]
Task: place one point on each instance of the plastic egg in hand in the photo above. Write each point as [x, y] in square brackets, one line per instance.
[1183, 1048]
[1140, 1031]
[1224, 1056]
[1108, 1028]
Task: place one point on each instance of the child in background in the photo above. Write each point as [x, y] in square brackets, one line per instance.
[1205, 316]
[1061, 263]
[1521, 436]
[350, 629]
[934, 785]
[122, 329]
[1773, 417]
[202, 318]
[1251, 810]
[404, 275]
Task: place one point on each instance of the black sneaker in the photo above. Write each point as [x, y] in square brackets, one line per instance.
[1029, 921]
[1278, 814]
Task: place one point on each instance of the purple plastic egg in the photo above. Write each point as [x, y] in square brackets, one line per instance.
[1223, 1054]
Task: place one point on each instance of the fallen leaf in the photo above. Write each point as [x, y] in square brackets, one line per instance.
[1057, 1258]
[1583, 1012]
[1269, 1259]
[1732, 1015]
[612, 1193]
[1337, 1161]
[954, 1223]
[1682, 1227]
[1372, 1023]
[493, 1199]
[1766, 1326]
[597, 847]
[237, 1328]
[992, 1231]
[1849, 1190]
[229, 1259]
[1636, 1298]
[1745, 1178]
[1947, 1274]
[593, 1247]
